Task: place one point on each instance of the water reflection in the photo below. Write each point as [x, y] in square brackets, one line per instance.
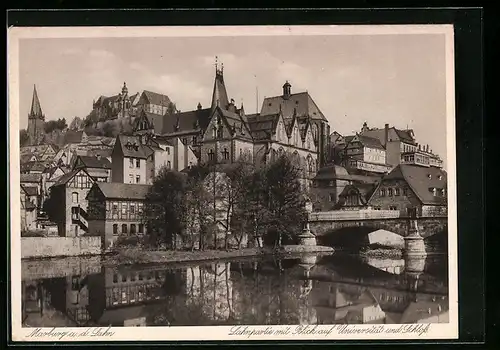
[308, 290]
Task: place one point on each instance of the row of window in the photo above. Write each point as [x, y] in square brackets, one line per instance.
[139, 276]
[81, 181]
[132, 294]
[123, 210]
[135, 161]
[389, 192]
[133, 229]
[131, 179]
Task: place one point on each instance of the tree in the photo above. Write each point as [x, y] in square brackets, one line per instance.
[285, 200]
[165, 207]
[23, 137]
[76, 124]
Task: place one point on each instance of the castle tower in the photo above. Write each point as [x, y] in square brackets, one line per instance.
[36, 121]
[219, 95]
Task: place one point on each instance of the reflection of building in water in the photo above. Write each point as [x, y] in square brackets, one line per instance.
[393, 266]
[77, 300]
[351, 303]
[345, 304]
[39, 307]
[122, 298]
[211, 287]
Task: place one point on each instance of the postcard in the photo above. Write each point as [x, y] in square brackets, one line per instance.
[232, 183]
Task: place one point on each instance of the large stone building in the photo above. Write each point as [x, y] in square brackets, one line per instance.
[287, 124]
[36, 121]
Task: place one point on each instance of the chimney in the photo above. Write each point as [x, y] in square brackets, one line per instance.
[386, 134]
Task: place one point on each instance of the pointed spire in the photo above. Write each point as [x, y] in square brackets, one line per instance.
[36, 109]
[219, 95]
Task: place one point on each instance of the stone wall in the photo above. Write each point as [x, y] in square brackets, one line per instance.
[57, 267]
[48, 247]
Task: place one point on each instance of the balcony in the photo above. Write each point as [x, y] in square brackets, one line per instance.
[372, 167]
[415, 158]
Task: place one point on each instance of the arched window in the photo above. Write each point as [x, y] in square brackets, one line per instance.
[169, 165]
[210, 154]
[115, 229]
[132, 229]
[74, 197]
[225, 154]
[124, 228]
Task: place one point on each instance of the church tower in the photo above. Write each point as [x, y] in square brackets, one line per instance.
[36, 121]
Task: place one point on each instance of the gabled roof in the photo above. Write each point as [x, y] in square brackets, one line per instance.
[117, 190]
[366, 141]
[94, 162]
[156, 98]
[337, 172]
[184, 121]
[26, 158]
[419, 181]
[300, 104]
[394, 134]
[364, 190]
[131, 146]
[29, 190]
[35, 166]
[262, 127]
[31, 177]
[63, 179]
[235, 122]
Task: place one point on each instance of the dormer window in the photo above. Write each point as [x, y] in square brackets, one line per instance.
[440, 177]
[429, 176]
[434, 191]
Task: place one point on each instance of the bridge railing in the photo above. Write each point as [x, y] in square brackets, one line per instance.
[366, 214]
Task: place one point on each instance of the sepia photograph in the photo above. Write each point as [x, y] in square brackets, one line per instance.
[273, 181]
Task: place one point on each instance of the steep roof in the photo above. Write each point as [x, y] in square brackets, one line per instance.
[31, 177]
[185, 121]
[34, 166]
[366, 141]
[235, 122]
[300, 104]
[131, 147]
[155, 98]
[219, 93]
[337, 172]
[26, 158]
[30, 191]
[36, 109]
[94, 162]
[116, 190]
[393, 134]
[419, 181]
[262, 126]
[63, 179]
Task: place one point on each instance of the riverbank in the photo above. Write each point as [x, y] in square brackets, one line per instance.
[138, 256]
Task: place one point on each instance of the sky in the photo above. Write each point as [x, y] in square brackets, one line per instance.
[395, 79]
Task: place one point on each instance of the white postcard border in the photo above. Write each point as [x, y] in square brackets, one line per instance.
[217, 333]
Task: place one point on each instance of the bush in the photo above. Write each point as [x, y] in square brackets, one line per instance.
[128, 241]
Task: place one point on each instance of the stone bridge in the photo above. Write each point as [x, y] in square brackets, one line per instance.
[330, 227]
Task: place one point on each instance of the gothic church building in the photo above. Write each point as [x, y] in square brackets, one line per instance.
[288, 124]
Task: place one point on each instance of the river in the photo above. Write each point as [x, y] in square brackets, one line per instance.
[312, 289]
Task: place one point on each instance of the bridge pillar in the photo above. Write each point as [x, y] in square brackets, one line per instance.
[414, 242]
[306, 237]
